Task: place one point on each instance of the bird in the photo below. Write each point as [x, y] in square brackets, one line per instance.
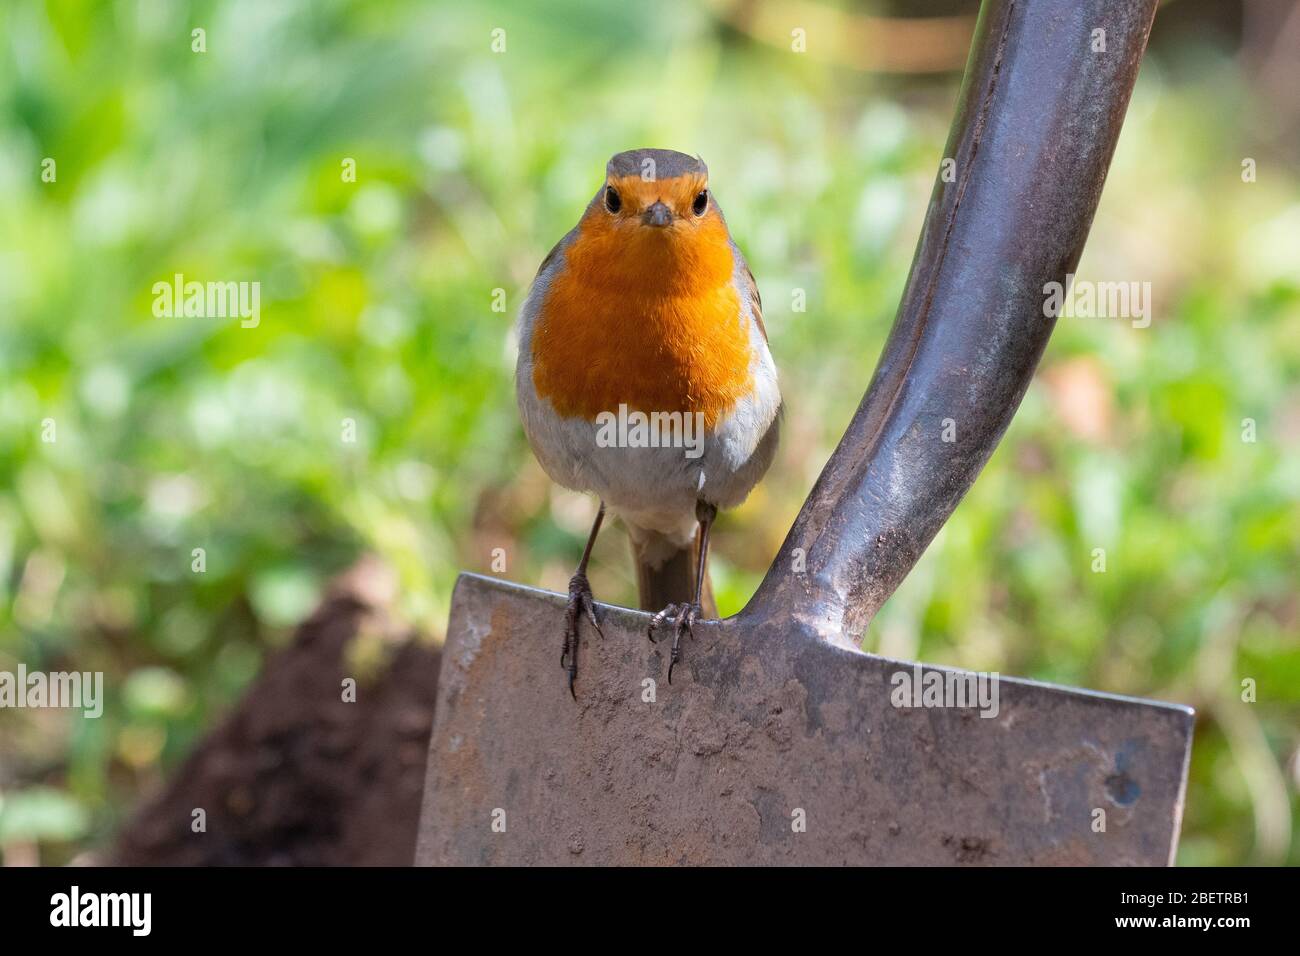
[644, 377]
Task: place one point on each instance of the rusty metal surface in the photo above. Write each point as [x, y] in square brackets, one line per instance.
[764, 720]
[1038, 117]
[777, 717]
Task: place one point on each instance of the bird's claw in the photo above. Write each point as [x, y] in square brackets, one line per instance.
[581, 602]
[669, 612]
[683, 617]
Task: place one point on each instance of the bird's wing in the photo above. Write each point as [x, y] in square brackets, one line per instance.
[550, 256]
[755, 300]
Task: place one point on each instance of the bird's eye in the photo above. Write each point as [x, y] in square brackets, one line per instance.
[612, 201]
[701, 203]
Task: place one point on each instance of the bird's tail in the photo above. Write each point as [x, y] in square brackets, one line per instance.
[665, 572]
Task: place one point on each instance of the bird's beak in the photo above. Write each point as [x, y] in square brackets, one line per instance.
[657, 215]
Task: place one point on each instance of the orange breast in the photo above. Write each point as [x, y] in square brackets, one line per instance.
[645, 319]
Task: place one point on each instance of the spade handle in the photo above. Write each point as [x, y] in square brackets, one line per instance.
[1040, 109]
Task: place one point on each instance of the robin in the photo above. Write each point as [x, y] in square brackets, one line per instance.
[644, 376]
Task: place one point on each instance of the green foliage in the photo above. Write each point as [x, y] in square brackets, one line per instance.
[174, 434]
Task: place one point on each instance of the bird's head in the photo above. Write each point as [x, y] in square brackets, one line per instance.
[653, 196]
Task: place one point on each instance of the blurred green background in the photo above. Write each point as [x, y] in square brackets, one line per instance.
[376, 305]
